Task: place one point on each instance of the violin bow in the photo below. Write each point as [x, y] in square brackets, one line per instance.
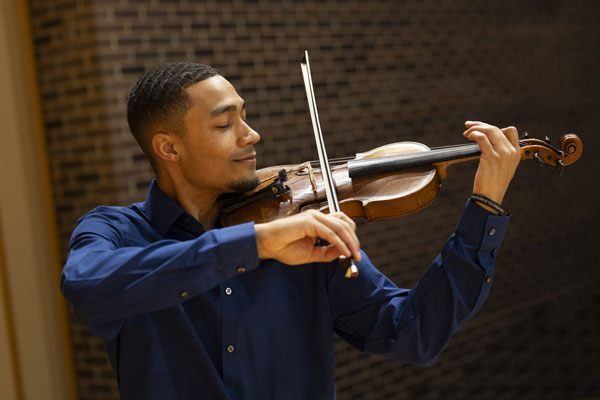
[332, 200]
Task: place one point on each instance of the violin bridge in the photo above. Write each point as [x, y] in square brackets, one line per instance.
[311, 175]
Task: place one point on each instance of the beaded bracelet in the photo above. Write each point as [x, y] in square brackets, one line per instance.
[489, 202]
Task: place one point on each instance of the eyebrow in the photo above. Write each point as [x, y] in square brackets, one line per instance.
[227, 108]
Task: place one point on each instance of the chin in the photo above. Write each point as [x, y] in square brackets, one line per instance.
[244, 185]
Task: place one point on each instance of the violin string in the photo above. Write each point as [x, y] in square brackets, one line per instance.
[342, 160]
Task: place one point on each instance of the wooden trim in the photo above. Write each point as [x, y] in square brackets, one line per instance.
[31, 263]
[9, 324]
[50, 213]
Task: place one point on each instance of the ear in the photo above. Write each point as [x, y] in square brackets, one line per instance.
[165, 145]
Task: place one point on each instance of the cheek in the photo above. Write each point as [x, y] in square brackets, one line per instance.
[209, 153]
[208, 163]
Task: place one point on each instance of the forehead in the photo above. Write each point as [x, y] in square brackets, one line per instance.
[212, 93]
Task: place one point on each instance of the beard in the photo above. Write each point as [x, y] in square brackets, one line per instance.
[244, 185]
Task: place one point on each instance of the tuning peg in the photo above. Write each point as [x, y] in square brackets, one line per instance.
[560, 167]
[525, 135]
[539, 159]
[547, 140]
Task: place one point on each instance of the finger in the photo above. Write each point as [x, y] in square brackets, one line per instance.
[324, 254]
[472, 123]
[505, 141]
[356, 249]
[322, 230]
[483, 128]
[344, 229]
[512, 134]
[496, 137]
[346, 219]
[492, 130]
[481, 139]
[341, 215]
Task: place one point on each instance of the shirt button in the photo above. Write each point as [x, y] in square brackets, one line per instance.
[228, 291]
[184, 294]
[241, 269]
[230, 348]
[488, 279]
[492, 232]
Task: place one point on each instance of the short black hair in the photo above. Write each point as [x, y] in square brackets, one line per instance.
[159, 97]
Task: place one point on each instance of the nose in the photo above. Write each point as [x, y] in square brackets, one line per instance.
[248, 137]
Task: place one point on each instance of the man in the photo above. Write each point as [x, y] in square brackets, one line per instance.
[188, 310]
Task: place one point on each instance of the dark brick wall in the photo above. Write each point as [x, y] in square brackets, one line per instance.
[384, 71]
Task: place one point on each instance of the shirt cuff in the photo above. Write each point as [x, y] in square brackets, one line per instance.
[482, 231]
[238, 252]
[480, 228]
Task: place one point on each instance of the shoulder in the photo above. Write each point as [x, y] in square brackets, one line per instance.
[114, 223]
[110, 216]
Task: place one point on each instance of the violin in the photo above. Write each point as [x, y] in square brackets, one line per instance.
[387, 182]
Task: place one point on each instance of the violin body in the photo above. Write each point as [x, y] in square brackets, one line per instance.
[384, 195]
[368, 197]
[387, 182]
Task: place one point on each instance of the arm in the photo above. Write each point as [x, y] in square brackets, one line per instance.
[109, 276]
[113, 271]
[414, 325]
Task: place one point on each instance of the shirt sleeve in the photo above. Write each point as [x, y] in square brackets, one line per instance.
[108, 278]
[415, 325]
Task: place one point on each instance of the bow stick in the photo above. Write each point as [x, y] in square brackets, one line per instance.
[332, 199]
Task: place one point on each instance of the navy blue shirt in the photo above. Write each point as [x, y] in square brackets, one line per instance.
[193, 314]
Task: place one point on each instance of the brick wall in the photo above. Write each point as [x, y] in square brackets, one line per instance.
[384, 71]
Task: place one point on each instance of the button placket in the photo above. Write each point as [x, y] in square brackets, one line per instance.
[228, 321]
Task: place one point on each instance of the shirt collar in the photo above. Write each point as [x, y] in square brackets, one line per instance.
[161, 209]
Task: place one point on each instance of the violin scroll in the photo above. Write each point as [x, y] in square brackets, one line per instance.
[571, 145]
[544, 152]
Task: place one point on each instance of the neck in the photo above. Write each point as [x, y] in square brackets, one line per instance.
[198, 202]
[448, 155]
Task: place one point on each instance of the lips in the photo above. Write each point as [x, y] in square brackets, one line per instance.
[250, 157]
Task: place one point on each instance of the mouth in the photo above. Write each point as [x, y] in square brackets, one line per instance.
[249, 159]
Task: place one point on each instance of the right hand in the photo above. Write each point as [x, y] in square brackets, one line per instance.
[292, 240]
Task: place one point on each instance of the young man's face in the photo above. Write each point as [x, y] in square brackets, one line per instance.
[218, 145]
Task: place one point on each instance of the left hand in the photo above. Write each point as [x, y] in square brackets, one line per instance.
[500, 156]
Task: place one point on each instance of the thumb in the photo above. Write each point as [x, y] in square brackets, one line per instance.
[324, 254]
